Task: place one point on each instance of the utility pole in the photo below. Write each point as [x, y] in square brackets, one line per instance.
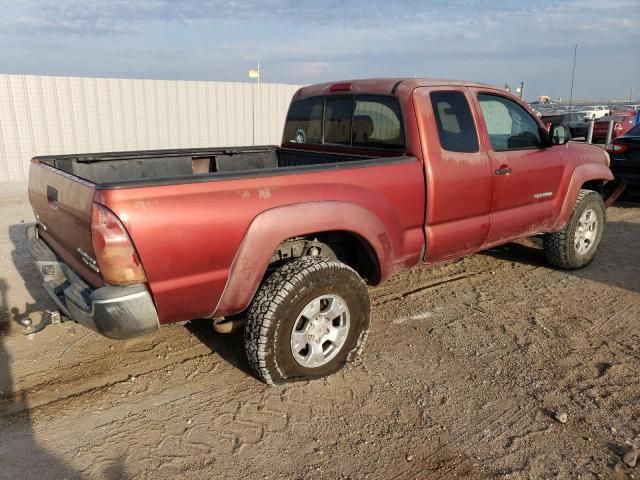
[520, 89]
[573, 75]
[254, 73]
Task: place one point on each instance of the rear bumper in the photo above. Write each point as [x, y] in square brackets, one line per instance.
[113, 311]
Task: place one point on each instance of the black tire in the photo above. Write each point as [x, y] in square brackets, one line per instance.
[278, 303]
[560, 247]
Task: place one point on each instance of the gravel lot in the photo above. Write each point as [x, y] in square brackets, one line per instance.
[466, 372]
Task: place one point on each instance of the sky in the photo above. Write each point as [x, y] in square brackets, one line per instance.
[304, 42]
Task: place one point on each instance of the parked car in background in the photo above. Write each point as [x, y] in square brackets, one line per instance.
[573, 121]
[622, 109]
[625, 158]
[593, 112]
[622, 124]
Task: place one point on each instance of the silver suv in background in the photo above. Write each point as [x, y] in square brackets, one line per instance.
[593, 112]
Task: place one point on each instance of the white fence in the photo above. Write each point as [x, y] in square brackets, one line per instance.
[42, 115]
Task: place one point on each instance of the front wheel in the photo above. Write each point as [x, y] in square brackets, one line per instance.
[577, 243]
[307, 320]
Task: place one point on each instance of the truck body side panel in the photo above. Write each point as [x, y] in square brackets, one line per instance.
[187, 235]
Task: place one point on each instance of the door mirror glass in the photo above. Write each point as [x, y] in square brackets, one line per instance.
[559, 135]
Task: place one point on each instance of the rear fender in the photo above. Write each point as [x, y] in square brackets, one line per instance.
[273, 226]
[581, 175]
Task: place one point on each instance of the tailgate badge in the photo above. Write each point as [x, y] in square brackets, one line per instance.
[88, 260]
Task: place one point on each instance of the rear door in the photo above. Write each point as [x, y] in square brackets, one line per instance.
[526, 177]
[457, 171]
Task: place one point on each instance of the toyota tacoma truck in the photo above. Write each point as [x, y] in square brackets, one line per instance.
[372, 177]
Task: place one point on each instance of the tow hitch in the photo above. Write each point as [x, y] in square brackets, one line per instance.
[48, 318]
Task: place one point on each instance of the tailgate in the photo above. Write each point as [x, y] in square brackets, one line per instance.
[62, 206]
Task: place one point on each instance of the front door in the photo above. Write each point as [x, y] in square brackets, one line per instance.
[526, 175]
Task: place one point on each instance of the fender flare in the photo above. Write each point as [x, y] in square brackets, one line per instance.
[582, 174]
[273, 226]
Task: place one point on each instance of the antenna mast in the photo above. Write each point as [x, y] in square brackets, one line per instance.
[573, 75]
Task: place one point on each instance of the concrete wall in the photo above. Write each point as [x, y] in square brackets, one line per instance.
[42, 115]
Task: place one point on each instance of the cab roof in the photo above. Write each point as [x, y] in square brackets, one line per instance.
[384, 86]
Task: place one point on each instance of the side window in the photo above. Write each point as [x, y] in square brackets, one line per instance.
[510, 127]
[456, 129]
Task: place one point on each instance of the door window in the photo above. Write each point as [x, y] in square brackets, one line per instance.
[510, 127]
[456, 129]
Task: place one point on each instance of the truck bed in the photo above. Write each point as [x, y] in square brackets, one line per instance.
[149, 167]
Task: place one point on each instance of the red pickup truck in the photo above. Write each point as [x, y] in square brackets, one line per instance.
[372, 177]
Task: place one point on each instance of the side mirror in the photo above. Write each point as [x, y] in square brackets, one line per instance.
[559, 134]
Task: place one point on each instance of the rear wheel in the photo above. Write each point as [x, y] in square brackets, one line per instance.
[307, 320]
[577, 243]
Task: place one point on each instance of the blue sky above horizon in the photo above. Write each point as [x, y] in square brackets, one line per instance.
[308, 42]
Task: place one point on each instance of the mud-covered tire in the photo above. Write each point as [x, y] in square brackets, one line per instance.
[280, 301]
[560, 247]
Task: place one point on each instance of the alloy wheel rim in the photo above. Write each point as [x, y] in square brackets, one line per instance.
[320, 331]
[586, 232]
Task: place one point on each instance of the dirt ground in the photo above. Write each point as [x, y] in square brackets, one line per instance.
[465, 368]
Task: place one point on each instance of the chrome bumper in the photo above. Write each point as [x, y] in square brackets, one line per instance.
[113, 311]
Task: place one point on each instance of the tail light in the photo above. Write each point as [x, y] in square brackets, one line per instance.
[617, 126]
[548, 125]
[616, 148]
[117, 258]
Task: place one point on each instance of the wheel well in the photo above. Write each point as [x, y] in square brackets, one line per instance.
[595, 185]
[349, 248]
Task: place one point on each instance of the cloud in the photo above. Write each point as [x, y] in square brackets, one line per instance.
[98, 17]
[300, 41]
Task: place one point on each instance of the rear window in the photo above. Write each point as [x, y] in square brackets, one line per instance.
[373, 121]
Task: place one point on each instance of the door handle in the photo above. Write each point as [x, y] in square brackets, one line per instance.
[504, 170]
